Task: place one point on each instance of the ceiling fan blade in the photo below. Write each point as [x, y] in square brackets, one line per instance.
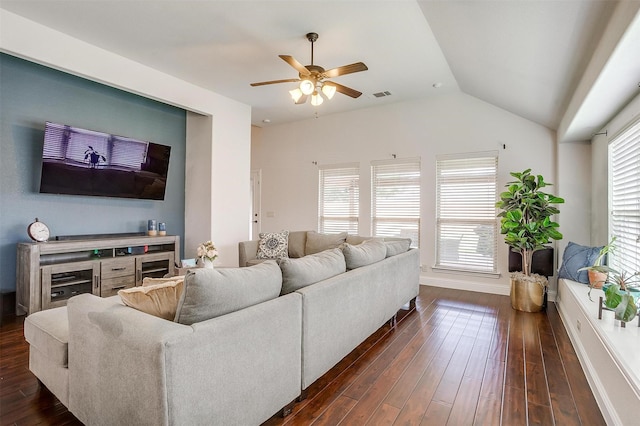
[288, 80]
[302, 100]
[346, 90]
[346, 69]
[297, 65]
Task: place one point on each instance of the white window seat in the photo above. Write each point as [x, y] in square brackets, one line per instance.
[608, 353]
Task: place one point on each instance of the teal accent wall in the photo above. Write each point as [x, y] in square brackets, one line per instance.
[30, 95]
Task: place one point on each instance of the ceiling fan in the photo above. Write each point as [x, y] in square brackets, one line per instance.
[312, 79]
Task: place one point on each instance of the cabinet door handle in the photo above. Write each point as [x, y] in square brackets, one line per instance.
[119, 269]
[119, 287]
[139, 272]
[96, 281]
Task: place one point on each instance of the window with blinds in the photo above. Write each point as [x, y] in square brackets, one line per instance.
[624, 203]
[70, 143]
[339, 198]
[466, 224]
[128, 153]
[395, 199]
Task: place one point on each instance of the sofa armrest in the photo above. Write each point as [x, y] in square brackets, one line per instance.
[247, 250]
[117, 362]
[127, 367]
[240, 368]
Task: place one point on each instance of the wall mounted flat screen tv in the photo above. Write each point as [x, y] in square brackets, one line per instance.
[84, 162]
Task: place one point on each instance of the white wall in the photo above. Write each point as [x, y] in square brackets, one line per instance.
[218, 210]
[574, 185]
[453, 123]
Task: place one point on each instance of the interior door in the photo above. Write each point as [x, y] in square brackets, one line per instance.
[255, 204]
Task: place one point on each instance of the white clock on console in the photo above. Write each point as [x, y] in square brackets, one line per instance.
[38, 231]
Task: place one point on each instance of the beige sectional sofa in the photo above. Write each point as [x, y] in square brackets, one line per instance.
[111, 364]
[340, 312]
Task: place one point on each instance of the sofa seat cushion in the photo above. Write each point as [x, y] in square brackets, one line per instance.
[48, 331]
[317, 242]
[298, 273]
[210, 293]
[363, 254]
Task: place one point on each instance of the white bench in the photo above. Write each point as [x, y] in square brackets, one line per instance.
[609, 354]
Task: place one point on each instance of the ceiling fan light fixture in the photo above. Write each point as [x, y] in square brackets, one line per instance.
[296, 94]
[329, 90]
[316, 99]
[307, 87]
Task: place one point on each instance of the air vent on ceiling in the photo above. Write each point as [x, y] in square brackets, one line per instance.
[382, 94]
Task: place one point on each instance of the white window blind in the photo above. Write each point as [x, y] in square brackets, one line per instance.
[624, 204]
[81, 141]
[55, 141]
[395, 199]
[339, 198]
[466, 224]
[128, 153]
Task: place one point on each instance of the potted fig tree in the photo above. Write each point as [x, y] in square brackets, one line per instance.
[527, 224]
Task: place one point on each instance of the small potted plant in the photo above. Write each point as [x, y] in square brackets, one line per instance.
[598, 272]
[93, 156]
[619, 294]
[527, 225]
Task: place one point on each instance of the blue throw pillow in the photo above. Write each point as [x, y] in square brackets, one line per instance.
[575, 257]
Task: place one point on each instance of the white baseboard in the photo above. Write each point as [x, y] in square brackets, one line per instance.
[470, 285]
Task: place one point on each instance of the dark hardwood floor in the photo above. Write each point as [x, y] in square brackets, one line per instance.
[461, 358]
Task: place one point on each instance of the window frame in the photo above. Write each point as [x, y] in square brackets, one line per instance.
[340, 171]
[623, 216]
[484, 211]
[410, 214]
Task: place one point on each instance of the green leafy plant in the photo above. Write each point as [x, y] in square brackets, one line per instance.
[618, 293]
[604, 251]
[526, 216]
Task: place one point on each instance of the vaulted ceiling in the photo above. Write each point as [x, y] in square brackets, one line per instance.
[566, 64]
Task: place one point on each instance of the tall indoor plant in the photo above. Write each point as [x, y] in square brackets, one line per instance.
[528, 227]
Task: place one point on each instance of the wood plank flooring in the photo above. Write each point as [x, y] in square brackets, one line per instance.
[461, 358]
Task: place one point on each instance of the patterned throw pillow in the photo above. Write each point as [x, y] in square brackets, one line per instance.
[273, 245]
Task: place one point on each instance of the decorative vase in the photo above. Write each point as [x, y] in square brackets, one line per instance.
[205, 263]
[527, 292]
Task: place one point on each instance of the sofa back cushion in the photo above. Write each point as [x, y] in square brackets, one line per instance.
[397, 246]
[363, 254]
[298, 273]
[354, 240]
[210, 293]
[317, 242]
[297, 242]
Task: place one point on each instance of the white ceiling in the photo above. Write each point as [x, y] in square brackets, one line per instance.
[526, 57]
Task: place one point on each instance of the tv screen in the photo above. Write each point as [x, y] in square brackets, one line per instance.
[84, 162]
